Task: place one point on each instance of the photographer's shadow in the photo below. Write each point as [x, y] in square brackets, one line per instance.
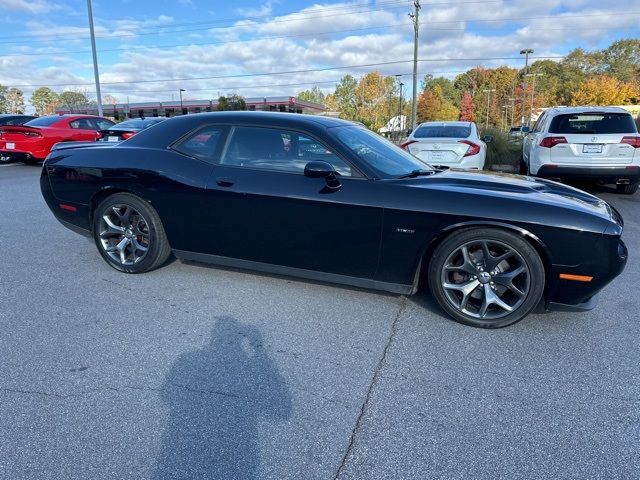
[217, 395]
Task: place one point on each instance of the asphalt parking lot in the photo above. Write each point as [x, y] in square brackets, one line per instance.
[199, 372]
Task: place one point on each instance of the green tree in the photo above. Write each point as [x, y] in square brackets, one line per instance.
[3, 98]
[449, 91]
[44, 100]
[314, 95]
[344, 97]
[232, 102]
[622, 60]
[73, 100]
[15, 100]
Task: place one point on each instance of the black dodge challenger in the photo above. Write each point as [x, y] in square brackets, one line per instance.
[329, 200]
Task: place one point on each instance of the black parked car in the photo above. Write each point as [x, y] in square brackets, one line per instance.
[329, 200]
[127, 129]
[15, 118]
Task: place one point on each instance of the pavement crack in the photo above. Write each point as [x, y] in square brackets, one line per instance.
[372, 385]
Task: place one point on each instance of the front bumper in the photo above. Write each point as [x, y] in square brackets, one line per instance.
[607, 174]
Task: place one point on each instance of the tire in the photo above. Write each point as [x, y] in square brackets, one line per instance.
[5, 159]
[129, 234]
[464, 281]
[524, 168]
[629, 189]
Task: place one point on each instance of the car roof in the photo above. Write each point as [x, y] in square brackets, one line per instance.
[280, 117]
[452, 122]
[586, 109]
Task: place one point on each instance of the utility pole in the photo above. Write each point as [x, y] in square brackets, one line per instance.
[416, 27]
[525, 52]
[488, 92]
[95, 56]
[400, 84]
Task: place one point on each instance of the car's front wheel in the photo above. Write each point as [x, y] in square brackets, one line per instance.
[129, 234]
[628, 189]
[486, 278]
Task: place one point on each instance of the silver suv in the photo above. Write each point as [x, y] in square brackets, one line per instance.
[592, 143]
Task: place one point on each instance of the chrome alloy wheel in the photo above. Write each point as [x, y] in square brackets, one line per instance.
[485, 279]
[124, 235]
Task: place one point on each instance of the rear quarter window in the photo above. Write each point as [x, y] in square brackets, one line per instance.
[593, 123]
[204, 144]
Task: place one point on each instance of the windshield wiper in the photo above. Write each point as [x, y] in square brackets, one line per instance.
[417, 173]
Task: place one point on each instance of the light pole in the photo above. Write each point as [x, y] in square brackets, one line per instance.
[513, 107]
[505, 109]
[533, 90]
[488, 92]
[181, 107]
[96, 74]
[526, 52]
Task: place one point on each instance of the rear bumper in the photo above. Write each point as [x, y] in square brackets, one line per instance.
[609, 174]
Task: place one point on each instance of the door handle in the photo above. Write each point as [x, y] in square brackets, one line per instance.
[225, 182]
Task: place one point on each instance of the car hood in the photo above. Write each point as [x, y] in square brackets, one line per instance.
[509, 186]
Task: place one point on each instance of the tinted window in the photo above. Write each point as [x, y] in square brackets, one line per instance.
[381, 155]
[44, 121]
[204, 144]
[138, 123]
[281, 150]
[442, 131]
[83, 124]
[593, 123]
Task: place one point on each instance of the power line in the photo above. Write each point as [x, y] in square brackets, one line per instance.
[274, 37]
[390, 5]
[262, 74]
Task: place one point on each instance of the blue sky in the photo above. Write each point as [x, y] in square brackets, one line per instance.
[148, 50]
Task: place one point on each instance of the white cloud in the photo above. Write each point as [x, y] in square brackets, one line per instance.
[28, 6]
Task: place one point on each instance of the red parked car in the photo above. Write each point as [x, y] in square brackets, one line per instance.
[32, 142]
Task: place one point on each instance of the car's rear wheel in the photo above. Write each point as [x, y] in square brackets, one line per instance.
[524, 168]
[5, 159]
[486, 278]
[129, 234]
[629, 189]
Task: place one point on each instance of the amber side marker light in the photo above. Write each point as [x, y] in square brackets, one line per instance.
[577, 278]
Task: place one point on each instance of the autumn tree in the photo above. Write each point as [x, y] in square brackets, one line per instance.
[605, 90]
[432, 106]
[314, 95]
[110, 100]
[44, 100]
[467, 113]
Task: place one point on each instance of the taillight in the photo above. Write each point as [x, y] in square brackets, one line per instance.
[633, 141]
[405, 145]
[31, 134]
[99, 135]
[473, 149]
[127, 135]
[550, 142]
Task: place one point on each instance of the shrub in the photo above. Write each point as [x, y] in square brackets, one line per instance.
[503, 153]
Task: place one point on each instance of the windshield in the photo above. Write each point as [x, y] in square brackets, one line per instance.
[44, 121]
[442, 131]
[385, 158]
[593, 123]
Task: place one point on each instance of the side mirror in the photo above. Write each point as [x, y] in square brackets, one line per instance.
[487, 138]
[324, 170]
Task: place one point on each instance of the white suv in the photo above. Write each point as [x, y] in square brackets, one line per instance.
[448, 144]
[591, 143]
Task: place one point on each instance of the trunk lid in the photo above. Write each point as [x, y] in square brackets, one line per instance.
[439, 151]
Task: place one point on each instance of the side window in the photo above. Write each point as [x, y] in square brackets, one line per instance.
[204, 144]
[538, 126]
[279, 150]
[82, 124]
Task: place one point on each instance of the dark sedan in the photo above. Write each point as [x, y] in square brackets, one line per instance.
[127, 129]
[329, 200]
[15, 118]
